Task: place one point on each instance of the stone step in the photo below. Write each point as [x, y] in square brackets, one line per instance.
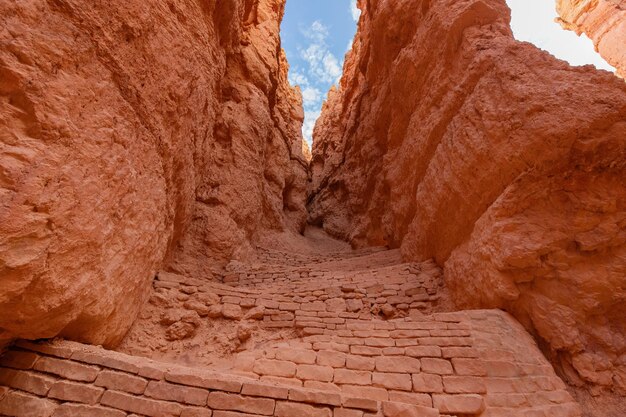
[451, 364]
[366, 256]
[448, 361]
[408, 289]
[69, 379]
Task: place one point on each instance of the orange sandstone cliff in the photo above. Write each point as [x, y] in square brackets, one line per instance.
[136, 136]
[604, 21]
[453, 141]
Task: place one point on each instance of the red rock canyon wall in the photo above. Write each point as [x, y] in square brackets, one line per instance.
[136, 136]
[603, 21]
[453, 141]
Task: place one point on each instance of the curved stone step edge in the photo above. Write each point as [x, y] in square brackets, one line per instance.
[211, 380]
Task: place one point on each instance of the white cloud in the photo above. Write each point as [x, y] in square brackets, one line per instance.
[319, 70]
[298, 78]
[323, 65]
[350, 43]
[311, 96]
[317, 32]
[312, 99]
[533, 21]
[331, 66]
[356, 13]
[310, 117]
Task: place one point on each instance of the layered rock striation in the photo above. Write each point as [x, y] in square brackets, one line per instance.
[603, 21]
[453, 141]
[136, 136]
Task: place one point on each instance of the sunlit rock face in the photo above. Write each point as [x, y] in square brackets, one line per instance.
[136, 136]
[453, 141]
[603, 21]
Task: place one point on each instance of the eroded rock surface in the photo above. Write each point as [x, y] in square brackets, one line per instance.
[603, 21]
[136, 136]
[453, 141]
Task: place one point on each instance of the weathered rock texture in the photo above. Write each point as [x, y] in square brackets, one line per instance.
[135, 136]
[603, 21]
[453, 141]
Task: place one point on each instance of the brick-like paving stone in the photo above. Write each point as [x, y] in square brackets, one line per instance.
[369, 337]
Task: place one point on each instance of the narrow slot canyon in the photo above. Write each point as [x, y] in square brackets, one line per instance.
[452, 244]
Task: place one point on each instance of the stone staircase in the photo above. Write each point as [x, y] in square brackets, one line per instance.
[341, 334]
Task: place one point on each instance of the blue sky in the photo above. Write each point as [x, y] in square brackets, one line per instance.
[316, 34]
